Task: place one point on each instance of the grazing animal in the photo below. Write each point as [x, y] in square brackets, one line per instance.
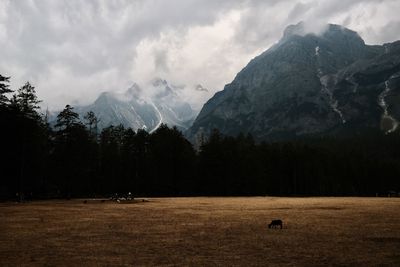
[275, 224]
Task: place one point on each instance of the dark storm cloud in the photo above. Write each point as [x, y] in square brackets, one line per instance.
[72, 50]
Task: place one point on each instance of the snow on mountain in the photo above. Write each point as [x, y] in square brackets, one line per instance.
[143, 107]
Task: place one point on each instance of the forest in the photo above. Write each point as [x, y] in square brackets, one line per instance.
[73, 158]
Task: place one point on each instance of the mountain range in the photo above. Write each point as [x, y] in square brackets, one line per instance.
[137, 108]
[329, 83]
[307, 84]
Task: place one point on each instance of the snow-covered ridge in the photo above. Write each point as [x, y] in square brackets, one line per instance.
[143, 107]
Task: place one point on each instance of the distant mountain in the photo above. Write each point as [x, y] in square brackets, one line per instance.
[309, 84]
[137, 110]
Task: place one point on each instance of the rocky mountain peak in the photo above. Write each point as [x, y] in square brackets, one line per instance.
[140, 108]
[308, 84]
[159, 82]
[294, 29]
[328, 31]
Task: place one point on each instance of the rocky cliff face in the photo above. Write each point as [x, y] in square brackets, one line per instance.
[309, 84]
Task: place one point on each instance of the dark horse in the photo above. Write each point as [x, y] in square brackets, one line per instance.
[275, 224]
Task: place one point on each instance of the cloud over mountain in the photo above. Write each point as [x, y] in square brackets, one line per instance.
[73, 50]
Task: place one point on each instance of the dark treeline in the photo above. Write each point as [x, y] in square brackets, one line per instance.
[74, 159]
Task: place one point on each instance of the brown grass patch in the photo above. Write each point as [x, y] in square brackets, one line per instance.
[202, 231]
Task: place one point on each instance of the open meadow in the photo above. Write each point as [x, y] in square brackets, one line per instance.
[202, 231]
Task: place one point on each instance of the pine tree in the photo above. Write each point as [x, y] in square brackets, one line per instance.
[92, 122]
[67, 118]
[26, 101]
[71, 152]
[28, 137]
[4, 89]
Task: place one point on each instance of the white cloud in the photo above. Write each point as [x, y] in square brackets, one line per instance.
[72, 50]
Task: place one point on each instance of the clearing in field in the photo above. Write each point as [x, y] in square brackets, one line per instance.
[202, 231]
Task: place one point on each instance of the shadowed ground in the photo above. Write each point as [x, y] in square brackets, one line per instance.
[202, 231]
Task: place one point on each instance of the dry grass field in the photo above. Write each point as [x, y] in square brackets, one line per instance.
[202, 232]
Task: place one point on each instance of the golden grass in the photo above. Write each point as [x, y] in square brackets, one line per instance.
[202, 232]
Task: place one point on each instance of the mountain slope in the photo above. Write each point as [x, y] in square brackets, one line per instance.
[309, 84]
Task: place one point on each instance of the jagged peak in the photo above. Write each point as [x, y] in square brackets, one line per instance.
[103, 97]
[159, 82]
[294, 29]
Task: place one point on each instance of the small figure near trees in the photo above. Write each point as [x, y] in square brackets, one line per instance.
[275, 224]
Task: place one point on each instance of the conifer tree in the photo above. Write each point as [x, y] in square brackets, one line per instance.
[26, 101]
[71, 150]
[67, 118]
[28, 138]
[4, 89]
[92, 122]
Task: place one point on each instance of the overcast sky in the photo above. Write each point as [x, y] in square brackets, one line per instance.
[74, 49]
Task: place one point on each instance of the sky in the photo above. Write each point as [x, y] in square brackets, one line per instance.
[72, 50]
